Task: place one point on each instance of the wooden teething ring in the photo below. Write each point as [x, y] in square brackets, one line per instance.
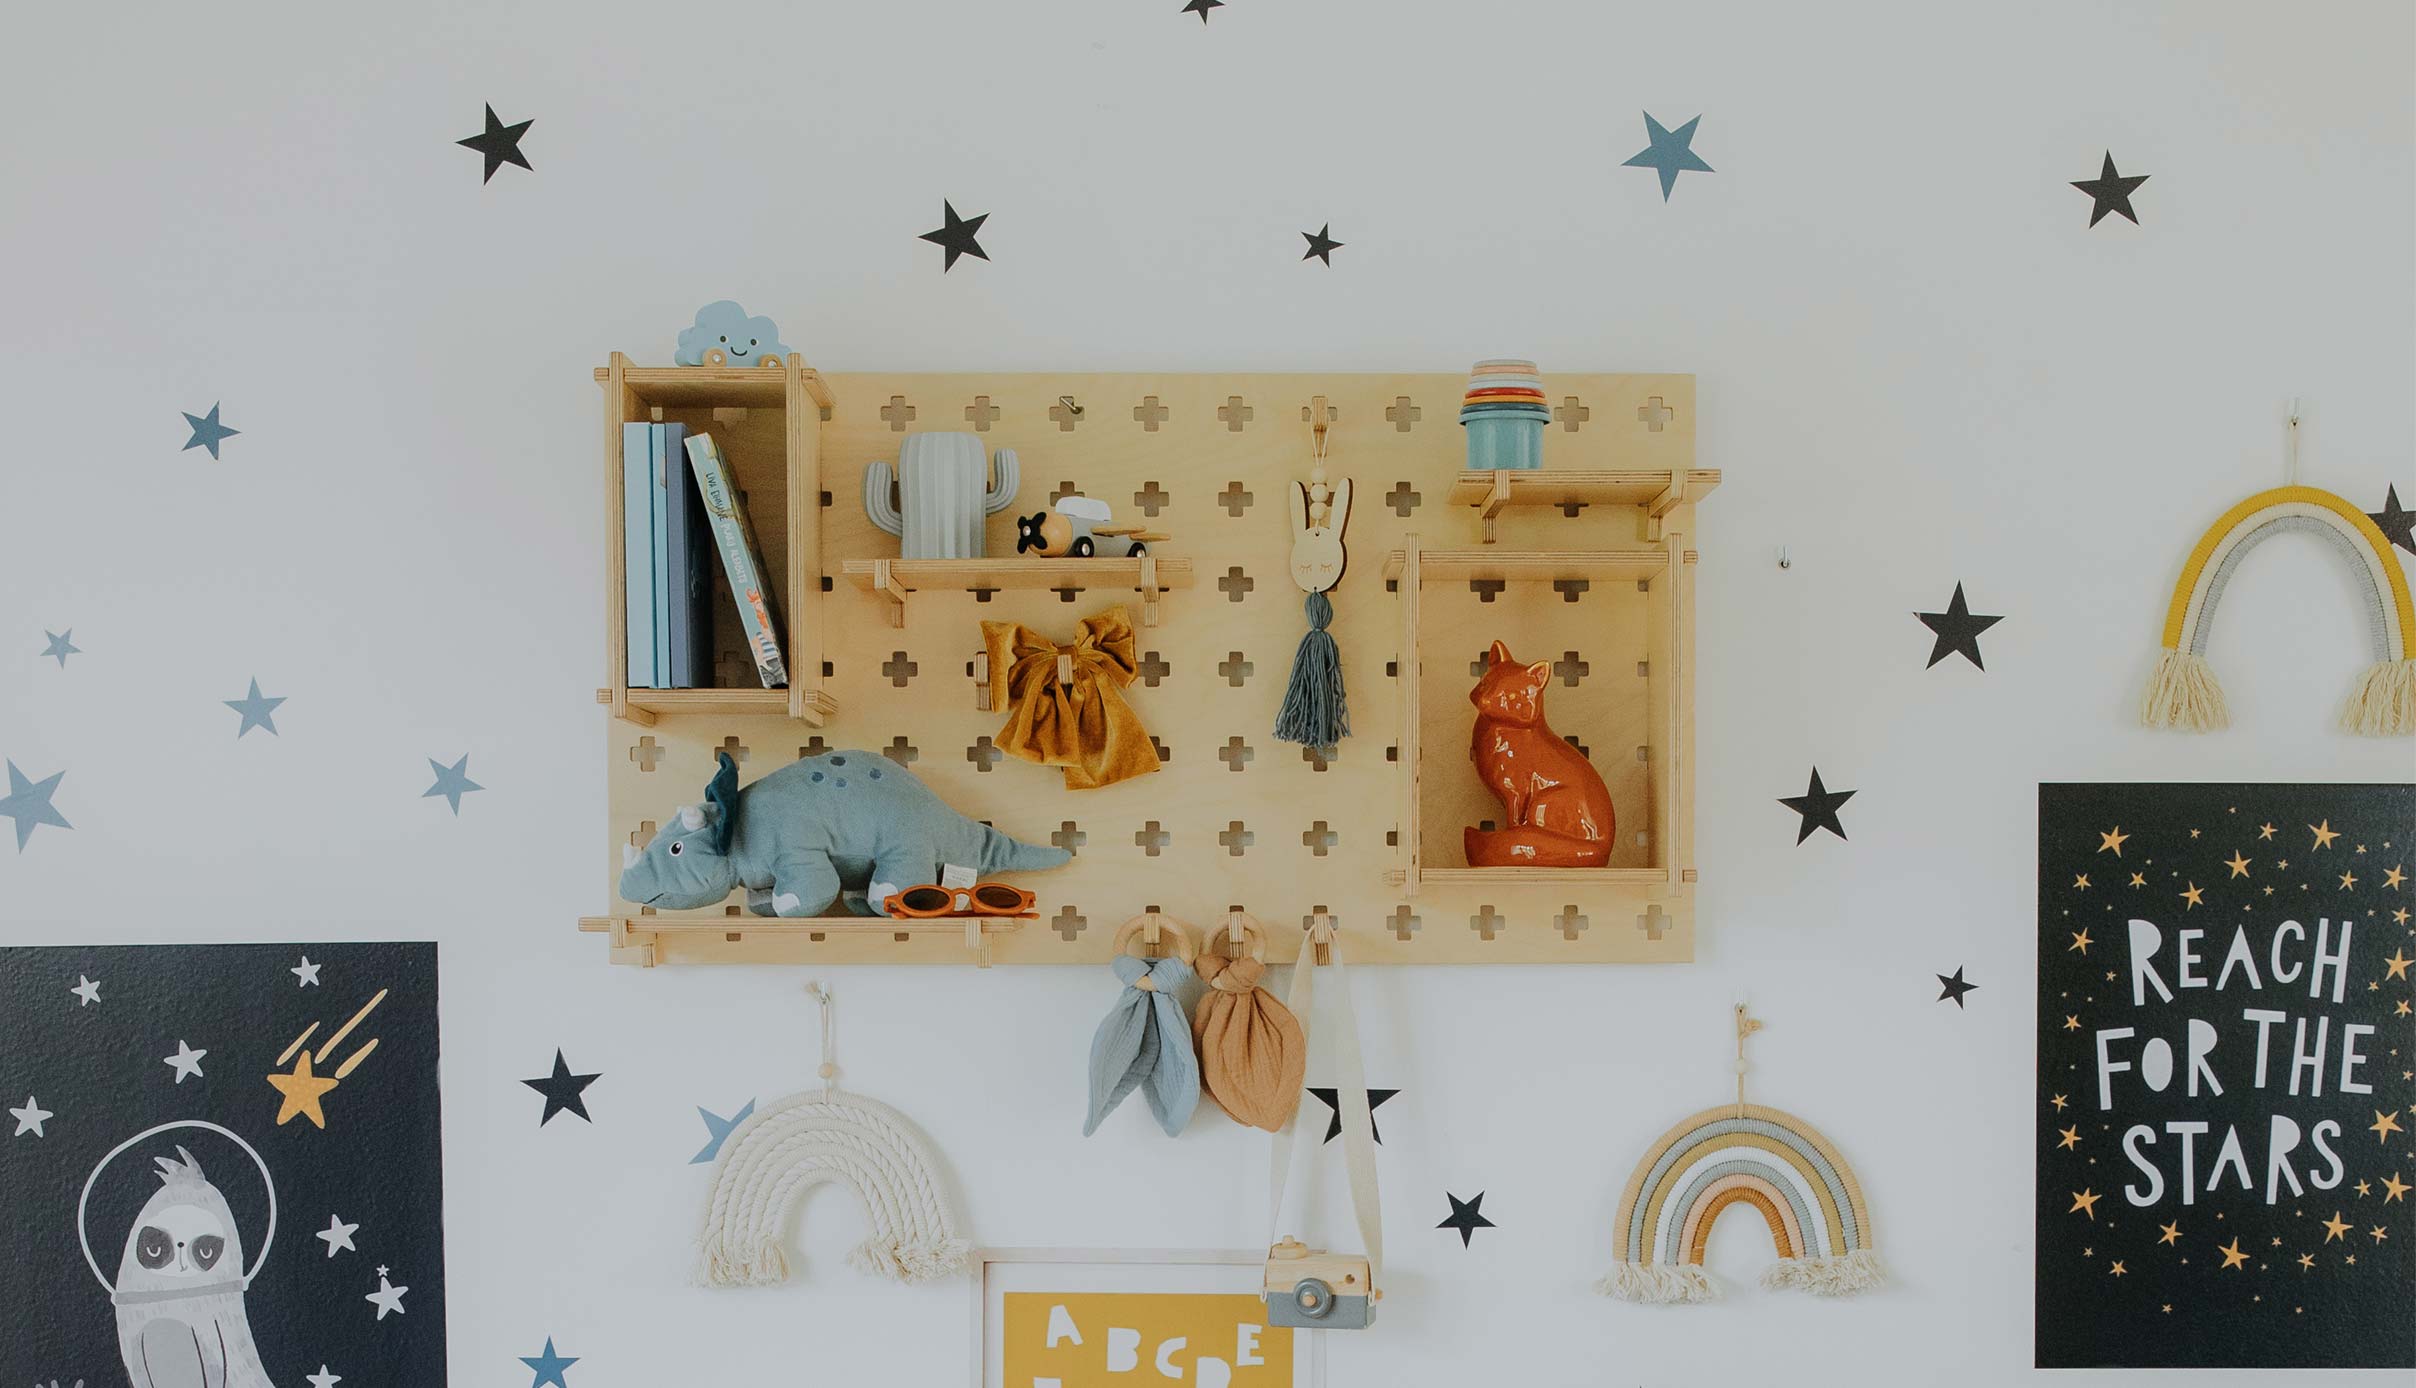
[1245, 930]
[1168, 931]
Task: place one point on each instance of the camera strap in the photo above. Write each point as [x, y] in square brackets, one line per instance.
[1350, 1089]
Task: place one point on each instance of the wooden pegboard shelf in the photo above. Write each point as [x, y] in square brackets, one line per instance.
[1657, 491]
[650, 940]
[898, 579]
[1232, 817]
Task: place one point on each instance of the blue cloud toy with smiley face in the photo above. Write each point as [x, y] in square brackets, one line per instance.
[724, 328]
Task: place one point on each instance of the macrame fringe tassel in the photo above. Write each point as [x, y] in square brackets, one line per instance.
[1314, 713]
[911, 1262]
[717, 1265]
[1659, 1284]
[2184, 694]
[2384, 702]
[1843, 1275]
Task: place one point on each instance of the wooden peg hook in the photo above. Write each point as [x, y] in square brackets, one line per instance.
[1318, 423]
[1321, 929]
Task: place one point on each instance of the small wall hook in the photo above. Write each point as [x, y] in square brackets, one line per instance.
[2290, 445]
[1785, 561]
[1070, 407]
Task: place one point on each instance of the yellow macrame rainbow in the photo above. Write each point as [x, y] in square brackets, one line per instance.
[1765, 1159]
[2184, 692]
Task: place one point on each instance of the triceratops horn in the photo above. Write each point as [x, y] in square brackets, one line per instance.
[630, 854]
[691, 817]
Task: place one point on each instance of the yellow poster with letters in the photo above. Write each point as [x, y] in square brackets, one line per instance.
[1113, 1339]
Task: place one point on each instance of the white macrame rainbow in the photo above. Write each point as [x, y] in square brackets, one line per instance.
[802, 1141]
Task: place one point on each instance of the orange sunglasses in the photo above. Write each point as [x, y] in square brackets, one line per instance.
[980, 899]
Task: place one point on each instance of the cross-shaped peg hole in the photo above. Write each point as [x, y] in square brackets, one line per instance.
[646, 753]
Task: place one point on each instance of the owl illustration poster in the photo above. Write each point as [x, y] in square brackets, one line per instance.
[2226, 1076]
[223, 1165]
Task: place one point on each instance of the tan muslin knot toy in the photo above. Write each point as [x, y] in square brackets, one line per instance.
[1253, 1053]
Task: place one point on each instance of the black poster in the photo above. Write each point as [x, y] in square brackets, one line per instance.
[2226, 1076]
[221, 1165]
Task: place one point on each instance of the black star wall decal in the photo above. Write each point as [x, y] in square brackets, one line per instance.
[1332, 1099]
[1202, 7]
[1818, 806]
[500, 144]
[1954, 987]
[1464, 1216]
[563, 1091]
[1957, 629]
[2110, 192]
[2395, 521]
[957, 237]
[1322, 245]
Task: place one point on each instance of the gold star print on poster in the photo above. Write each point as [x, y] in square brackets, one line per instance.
[2334, 1227]
[2232, 1256]
[2085, 1201]
[302, 1088]
[2172, 1232]
[2384, 1125]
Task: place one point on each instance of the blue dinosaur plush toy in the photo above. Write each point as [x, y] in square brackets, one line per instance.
[846, 824]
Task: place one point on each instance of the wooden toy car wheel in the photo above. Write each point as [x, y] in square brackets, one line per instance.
[1082, 548]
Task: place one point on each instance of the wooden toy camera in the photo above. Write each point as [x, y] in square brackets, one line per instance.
[1311, 1289]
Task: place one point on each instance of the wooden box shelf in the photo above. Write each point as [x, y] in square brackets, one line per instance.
[768, 422]
[897, 579]
[1618, 626]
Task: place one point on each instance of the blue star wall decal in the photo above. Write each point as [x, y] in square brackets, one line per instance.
[1669, 152]
[452, 782]
[718, 1131]
[28, 803]
[60, 646]
[208, 432]
[256, 709]
[549, 1366]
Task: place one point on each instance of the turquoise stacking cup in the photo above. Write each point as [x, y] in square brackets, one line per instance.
[1504, 439]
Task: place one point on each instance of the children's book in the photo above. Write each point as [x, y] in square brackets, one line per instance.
[691, 548]
[740, 559]
[637, 550]
[665, 474]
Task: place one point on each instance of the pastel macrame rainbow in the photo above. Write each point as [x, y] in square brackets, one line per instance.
[2184, 692]
[802, 1141]
[1762, 1159]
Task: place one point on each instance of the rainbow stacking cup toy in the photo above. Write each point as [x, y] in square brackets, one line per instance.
[1504, 413]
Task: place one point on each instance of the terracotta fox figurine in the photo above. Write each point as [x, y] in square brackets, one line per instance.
[1558, 810]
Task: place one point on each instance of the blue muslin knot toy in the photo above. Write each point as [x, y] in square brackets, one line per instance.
[1144, 1042]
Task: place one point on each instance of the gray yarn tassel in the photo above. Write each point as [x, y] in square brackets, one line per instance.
[1314, 712]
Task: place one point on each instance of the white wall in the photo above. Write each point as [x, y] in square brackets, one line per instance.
[1917, 365]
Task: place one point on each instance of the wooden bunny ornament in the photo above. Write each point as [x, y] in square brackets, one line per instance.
[1318, 557]
[1314, 713]
[1558, 809]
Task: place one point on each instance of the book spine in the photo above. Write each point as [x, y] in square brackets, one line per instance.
[740, 559]
[637, 553]
[660, 537]
[690, 586]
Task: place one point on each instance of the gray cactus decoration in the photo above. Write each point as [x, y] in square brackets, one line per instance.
[945, 487]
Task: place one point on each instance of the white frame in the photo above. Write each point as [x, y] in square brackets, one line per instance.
[1309, 1361]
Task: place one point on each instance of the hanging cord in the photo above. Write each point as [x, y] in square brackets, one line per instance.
[1745, 1026]
[2290, 445]
[828, 1070]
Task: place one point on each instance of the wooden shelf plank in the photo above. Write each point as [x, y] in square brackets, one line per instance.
[1579, 486]
[1611, 879]
[969, 574]
[709, 939]
[732, 702]
[1529, 566]
[1147, 575]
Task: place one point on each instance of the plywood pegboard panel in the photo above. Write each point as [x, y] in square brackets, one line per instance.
[1233, 817]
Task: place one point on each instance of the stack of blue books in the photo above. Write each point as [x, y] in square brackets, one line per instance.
[680, 506]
